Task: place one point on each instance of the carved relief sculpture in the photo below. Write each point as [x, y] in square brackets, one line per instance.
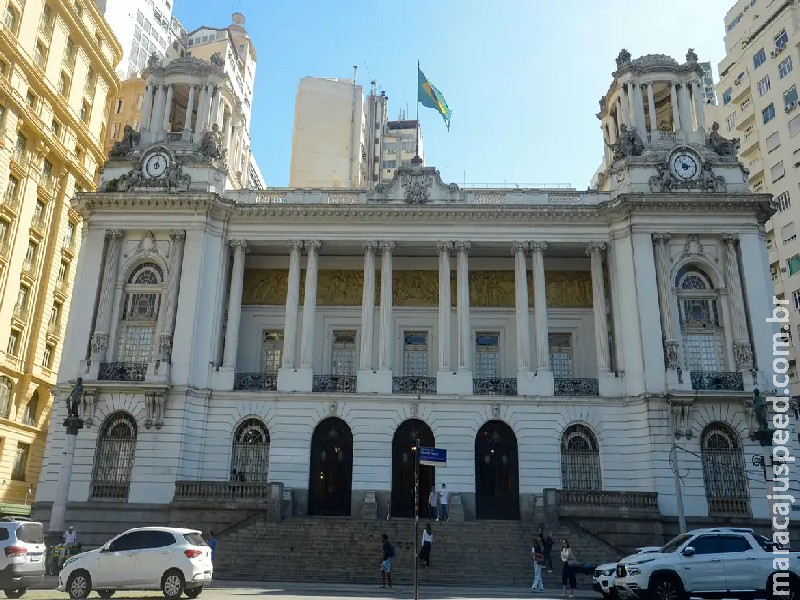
[417, 186]
[628, 144]
[211, 145]
[663, 182]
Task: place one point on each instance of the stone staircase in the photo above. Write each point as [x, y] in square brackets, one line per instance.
[349, 550]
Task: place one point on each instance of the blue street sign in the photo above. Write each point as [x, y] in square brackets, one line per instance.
[433, 457]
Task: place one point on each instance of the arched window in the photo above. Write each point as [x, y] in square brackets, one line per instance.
[250, 461]
[31, 409]
[140, 314]
[698, 312]
[580, 459]
[113, 461]
[5, 396]
[724, 472]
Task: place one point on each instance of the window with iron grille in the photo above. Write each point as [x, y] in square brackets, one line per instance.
[487, 355]
[20, 462]
[763, 86]
[113, 463]
[580, 459]
[140, 314]
[5, 396]
[344, 355]
[415, 354]
[271, 352]
[700, 321]
[724, 472]
[561, 362]
[785, 67]
[250, 457]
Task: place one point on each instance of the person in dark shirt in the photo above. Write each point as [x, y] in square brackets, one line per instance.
[386, 562]
[212, 543]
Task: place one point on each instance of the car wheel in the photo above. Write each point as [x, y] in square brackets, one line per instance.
[79, 585]
[794, 589]
[105, 593]
[194, 592]
[667, 587]
[17, 593]
[172, 584]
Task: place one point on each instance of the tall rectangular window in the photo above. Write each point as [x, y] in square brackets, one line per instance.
[20, 462]
[777, 171]
[793, 264]
[727, 96]
[796, 298]
[47, 357]
[763, 86]
[487, 355]
[785, 67]
[561, 361]
[343, 353]
[731, 122]
[759, 58]
[790, 97]
[768, 113]
[415, 354]
[12, 347]
[781, 39]
[783, 201]
[271, 352]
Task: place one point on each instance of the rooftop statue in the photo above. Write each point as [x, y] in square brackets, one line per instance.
[628, 144]
[211, 144]
[130, 139]
[721, 145]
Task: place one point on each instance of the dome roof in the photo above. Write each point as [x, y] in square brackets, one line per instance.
[655, 60]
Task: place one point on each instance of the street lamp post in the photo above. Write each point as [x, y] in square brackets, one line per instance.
[416, 517]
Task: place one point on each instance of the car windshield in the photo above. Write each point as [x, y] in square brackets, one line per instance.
[195, 539]
[31, 533]
[675, 543]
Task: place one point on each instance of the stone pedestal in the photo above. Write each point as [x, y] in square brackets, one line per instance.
[455, 510]
[223, 379]
[374, 382]
[369, 510]
[286, 503]
[454, 384]
[58, 513]
[609, 384]
[295, 380]
[541, 383]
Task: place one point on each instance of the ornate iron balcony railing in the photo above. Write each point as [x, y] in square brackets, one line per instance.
[495, 387]
[343, 384]
[577, 386]
[413, 385]
[122, 371]
[717, 380]
[255, 381]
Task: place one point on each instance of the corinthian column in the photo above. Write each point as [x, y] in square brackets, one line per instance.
[462, 308]
[595, 251]
[697, 91]
[177, 242]
[673, 100]
[147, 107]
[651, 108]
[742, 350]
[368, 306]
[540, 307]
[292, 305]
[168, 107]
[445, 248]
[661, 241]
[234, 305]
[99, 345]
[310, 304]
[520, 251]
[385, 355]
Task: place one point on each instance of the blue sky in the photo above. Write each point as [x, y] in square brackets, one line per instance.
[522, 77]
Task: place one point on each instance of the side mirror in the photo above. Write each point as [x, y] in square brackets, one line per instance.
[106, 548]
[688, 551]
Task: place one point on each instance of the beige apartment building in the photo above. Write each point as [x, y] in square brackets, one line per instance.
[758, 103]
[57, 62]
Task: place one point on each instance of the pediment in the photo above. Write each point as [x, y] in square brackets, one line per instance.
[416, 184]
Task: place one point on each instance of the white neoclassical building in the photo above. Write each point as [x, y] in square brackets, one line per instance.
[232, 340]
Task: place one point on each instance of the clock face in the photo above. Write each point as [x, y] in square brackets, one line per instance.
[156, 165]
[685, 166]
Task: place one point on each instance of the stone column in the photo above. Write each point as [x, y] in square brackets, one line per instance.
[158, 109]
[368, 306]
[673, 99]
[58, 512]
[595, 251]
[651, 109]
[540, 307]
[199, 125]
[147, 106]
[462, 308]
[445, 248]
[217, 97]
[168, 107]
[234, 305]
[177, 242]
[685, 107]
[742, 350]
[99, 344]
[665, 300]
[640, 112]
[620, 110]
[292, 305]
[613, 131]
[310, 304]
[699, 116]
[187, 126]
[631, 94]
[520, 251]
[387, 334]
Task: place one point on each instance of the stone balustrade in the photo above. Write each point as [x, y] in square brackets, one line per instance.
[204, 491]
[577, 502]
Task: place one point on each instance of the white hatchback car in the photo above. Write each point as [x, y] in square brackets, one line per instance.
[175, 561]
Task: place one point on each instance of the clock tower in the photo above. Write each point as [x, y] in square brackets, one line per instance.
[655, 134]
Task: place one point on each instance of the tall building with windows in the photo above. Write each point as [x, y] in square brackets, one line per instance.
[709, 93]
[56, 77]
[285, 349]
[759, 105]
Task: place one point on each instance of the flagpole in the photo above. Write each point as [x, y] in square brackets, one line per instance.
[416, 151]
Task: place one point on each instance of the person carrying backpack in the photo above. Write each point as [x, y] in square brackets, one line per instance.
[386, 562]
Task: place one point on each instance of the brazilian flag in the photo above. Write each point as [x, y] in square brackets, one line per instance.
[429, 96]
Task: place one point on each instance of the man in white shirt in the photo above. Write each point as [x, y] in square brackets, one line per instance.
[70, 536]
[445, 499]
[433, 500]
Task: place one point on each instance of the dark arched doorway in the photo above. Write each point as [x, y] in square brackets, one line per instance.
[331, 475]
[403, 459]
[496, 472]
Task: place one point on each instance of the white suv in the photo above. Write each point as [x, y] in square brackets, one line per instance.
[22, 552]
[175, 561]
[706, 563]
[605, 576]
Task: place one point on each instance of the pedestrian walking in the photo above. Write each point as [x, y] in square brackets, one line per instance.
[538, 561]
[568, 570]
[445, 498]
[548, 549]
[386, 562]
[212, 543]
[433, 500]
[427, 541]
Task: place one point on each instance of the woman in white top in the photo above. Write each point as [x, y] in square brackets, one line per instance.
[568, 571]
[427, 540]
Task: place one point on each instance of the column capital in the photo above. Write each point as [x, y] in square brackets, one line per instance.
[177, 234]
[114, 234]
[593, 247]
[370, 246]
[312, 245]
[537, 246]
[386, 246]
[662, 238]
[444, 247]
[523, 247]
[730, 238]
[462, 246]
[238, 245]
[295, 244]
